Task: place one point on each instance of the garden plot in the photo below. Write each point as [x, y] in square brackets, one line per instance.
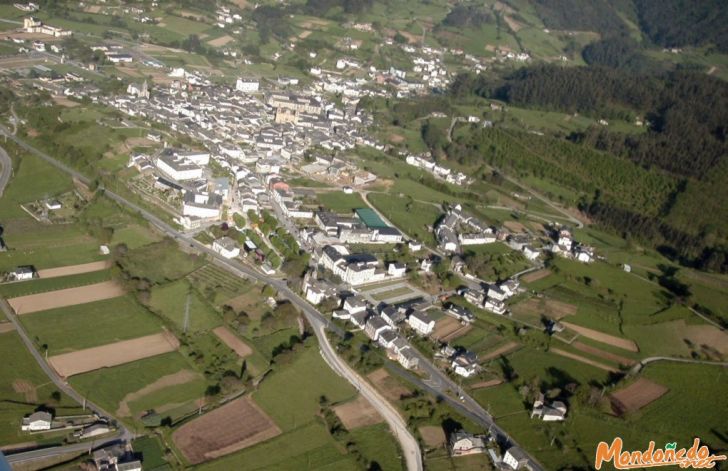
[357, 413]
[232, 427]
[66, 297]
[113, 354]
[636, 396]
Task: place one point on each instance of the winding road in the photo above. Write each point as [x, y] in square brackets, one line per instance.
[6, 170]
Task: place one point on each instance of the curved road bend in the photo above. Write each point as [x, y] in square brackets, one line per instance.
[408, 443]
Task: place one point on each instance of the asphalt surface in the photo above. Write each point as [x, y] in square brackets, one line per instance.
[6, 170]
[439, 383]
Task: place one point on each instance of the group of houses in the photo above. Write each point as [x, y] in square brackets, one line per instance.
[492, 297]
[565, 246]
[445, 173]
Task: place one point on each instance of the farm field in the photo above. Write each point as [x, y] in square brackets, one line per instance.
[74, 269]
[114, 354]
[357, 413]
[227, 429]
[232, 341]
[170, 301]
[113, 320]
[340, 202]
[377, 444]
[23, 387]
[637, 395]
[42, 285]
[66, 297]
[304, 443]
[110, 386]
[224, 288]
[412, 217]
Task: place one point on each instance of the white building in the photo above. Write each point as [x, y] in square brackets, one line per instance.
[178, 167]
[495, 306]
[407, 358]
[226, 247]
[37, 421]
[421, 322]
[515, 458]
[462, 444]
[554, 412]
[23, 273]
[247, 85]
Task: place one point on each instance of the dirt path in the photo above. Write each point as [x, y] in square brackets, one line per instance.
[74, 269]
[487, 384]
[66, 297]
[180, 377]
[576, 357]
[618, 342]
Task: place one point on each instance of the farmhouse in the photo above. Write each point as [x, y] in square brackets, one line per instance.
[460, 313]
[515, 458]
[407, 358]
[463, 443]
[465, 365]
[421, 322]
[37, 421]
[226, 247]
[554, 412]
[22, 273]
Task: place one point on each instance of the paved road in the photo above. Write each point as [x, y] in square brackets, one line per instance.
[407, 441]
[6, 170]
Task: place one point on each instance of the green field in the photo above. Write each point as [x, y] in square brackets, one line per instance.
[41, 285]
[170, 301]
[144, 262]
[377, 444]
[18, 365]
[152, 452]
[410, 216]
[108, 386]
[90, 325]
[340, 202]
[305, 443]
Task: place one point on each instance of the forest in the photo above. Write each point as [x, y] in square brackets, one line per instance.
[646, 185]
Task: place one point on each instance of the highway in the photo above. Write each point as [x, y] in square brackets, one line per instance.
[438, 381]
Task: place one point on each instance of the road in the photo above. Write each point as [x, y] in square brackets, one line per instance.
[123, 434]
[6, 170]
[407, 441]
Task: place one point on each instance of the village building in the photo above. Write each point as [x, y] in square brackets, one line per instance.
[226, 247]
[421, 322]
[463, 444]
[36, 422]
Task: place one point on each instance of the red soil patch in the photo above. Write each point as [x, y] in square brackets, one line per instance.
[636, 396]
[232, 427]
